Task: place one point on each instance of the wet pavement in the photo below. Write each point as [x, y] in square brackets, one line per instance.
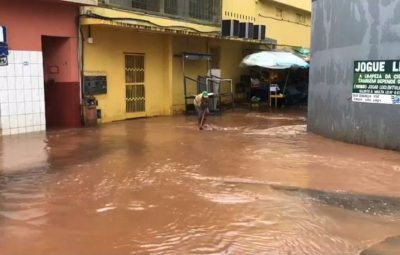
[251, 183]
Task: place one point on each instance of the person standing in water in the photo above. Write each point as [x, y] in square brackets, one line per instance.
[201, 104]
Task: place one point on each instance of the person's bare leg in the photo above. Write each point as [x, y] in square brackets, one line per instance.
[203, 119]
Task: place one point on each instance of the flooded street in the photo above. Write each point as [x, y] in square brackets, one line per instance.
[252, 183]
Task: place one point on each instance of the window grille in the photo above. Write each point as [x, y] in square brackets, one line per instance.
[134, 82]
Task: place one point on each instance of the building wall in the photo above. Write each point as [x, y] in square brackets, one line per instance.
[164, 71]
[345, 31]
[22, 93]
[287, 29]
[27, 25]
[299, 4]
[164, 68]
[22, 81]
[106, 56]
[56, 50]
[231, 57]
[232, 54]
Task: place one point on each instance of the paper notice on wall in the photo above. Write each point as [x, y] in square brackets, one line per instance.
[376, 82]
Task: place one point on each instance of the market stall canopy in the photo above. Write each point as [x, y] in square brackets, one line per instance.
[274, 60]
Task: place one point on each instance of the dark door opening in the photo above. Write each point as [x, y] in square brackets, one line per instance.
[62, 92]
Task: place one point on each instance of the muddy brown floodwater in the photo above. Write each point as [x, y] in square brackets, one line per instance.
[252, 183]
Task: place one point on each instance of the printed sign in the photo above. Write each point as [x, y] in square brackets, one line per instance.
[376, 82]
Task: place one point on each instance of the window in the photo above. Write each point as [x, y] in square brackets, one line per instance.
[201, 9]
[171, 7]
[140, 4]
[149, 5]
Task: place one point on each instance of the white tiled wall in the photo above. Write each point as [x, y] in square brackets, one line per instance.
[22, 93]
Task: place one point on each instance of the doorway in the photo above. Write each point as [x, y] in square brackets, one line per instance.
[61, 82]
[135, 83]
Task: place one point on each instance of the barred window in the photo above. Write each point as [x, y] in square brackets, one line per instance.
[201, 9]
[205, 11]
[171, 7]
[148, 5]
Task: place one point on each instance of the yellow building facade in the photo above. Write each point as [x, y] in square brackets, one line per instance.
[140, 53]
[287, 21]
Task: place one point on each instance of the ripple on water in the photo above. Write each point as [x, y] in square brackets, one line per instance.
[278, 117]
[24, 214]
[193, 213]
[22, 198]
[285, 131]
[213, 127]
[228, 198]
[139, 206]
[105, 209]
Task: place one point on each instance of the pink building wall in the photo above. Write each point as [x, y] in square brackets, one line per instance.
[41, 34]
[27, 21]
[55, 61]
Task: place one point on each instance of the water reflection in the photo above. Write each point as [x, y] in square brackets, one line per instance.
[251, 184]
[23, 152]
